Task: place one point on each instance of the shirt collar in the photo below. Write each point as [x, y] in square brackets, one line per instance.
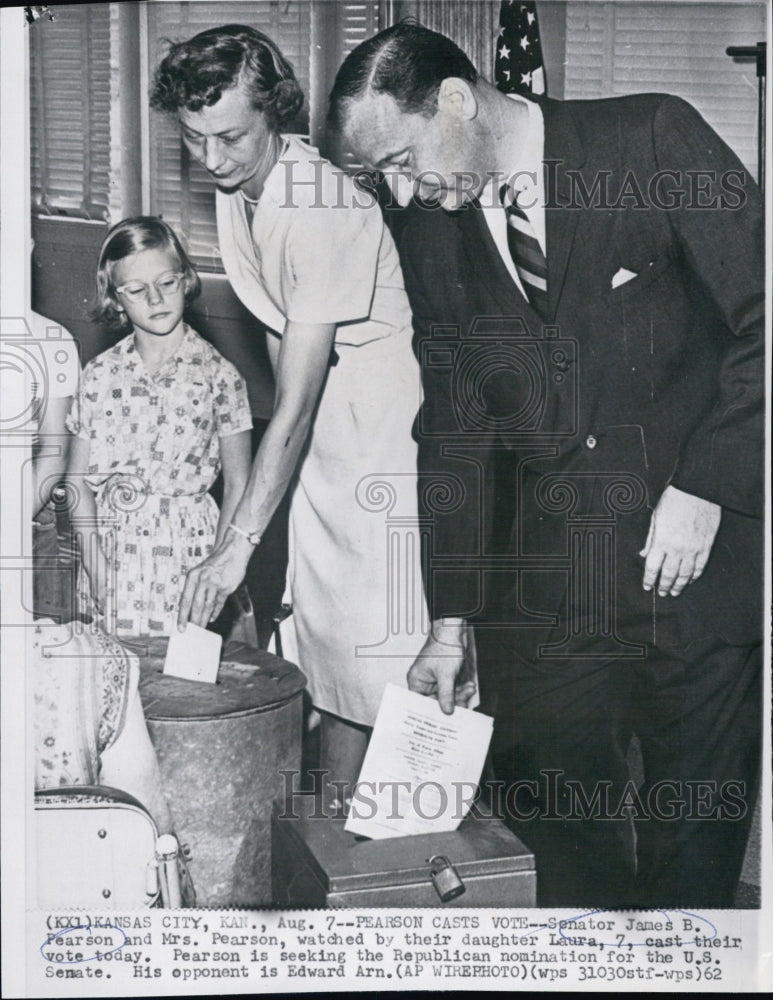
[275, 186]
[188, 348]
[526, 173]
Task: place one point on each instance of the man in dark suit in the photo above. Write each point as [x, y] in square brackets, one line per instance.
[588, 301]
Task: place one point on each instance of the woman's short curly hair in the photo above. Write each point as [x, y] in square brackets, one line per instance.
[144, 232]
[194, 74]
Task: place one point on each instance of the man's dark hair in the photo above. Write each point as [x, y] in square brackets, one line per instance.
[194, 74]
[407, 61]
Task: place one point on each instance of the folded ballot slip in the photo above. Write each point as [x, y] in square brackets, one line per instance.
[421, 768]
[193, 654]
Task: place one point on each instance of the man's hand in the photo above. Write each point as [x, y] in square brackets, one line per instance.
[439, 669]
[682, 532]
[208, 585]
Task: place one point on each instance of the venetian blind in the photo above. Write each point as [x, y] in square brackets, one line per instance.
[337, 29]
[358, 21]
[70, 112]
[679, 48]
[472, 25]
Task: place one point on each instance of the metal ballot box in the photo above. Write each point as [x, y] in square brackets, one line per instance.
[316, 863]
[222, 749]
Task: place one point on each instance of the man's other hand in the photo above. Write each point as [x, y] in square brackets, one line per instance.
[440, 669]
[682, 531]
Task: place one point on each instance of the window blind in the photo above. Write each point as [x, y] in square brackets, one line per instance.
[337, 29]
[70, 112]
[358, 21]
[616, 48]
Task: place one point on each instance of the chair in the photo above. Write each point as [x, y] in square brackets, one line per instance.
[98, 846]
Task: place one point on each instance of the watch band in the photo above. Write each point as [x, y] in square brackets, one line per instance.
[253, 537]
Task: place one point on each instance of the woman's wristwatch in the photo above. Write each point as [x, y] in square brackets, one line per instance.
[253, 537]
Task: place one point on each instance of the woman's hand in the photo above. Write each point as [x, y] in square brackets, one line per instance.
[302, 360]
[208, 585]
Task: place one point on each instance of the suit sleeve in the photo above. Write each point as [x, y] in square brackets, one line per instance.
[452, 462]
[720, 230]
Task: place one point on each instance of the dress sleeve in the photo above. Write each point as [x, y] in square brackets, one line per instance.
[332, 261]
[232, 403]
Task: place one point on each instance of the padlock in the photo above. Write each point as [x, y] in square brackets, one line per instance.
[445, 878]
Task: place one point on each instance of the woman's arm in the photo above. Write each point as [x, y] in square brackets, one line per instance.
[84, 521]
[50, 464]
[301, 367]
[235, 460]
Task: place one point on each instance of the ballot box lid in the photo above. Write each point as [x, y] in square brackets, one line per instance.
[344, 862]
[249, 680]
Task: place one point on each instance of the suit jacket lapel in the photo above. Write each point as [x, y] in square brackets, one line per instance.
[563, 151]
[488, 268]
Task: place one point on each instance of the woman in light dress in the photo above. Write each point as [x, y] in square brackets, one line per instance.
[308, 253]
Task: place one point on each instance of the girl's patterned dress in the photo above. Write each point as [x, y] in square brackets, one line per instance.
[154, 454]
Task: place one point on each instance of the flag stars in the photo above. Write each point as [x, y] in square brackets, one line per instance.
[524, 43]
[504, 52]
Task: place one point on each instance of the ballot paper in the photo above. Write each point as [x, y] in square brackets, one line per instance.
[421, 769]
[193, 654]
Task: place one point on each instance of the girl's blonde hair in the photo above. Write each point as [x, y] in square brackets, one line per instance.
[144, 232]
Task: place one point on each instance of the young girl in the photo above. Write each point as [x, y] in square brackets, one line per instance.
[155, 419]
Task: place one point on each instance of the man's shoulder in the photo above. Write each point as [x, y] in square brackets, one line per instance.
[635, 106]
[614, 118]
[632, 132]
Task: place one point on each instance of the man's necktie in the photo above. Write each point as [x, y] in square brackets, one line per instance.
[526, 252]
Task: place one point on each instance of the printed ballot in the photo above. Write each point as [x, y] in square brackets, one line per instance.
[421, 768]
[193, 654]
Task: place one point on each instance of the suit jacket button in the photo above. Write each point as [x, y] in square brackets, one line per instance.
[590, 441]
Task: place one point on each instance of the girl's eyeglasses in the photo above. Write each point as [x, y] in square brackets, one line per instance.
[167, 284]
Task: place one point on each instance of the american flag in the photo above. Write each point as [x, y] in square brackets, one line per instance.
[518, 66]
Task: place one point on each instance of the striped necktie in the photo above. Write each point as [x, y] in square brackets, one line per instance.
[526, 252]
